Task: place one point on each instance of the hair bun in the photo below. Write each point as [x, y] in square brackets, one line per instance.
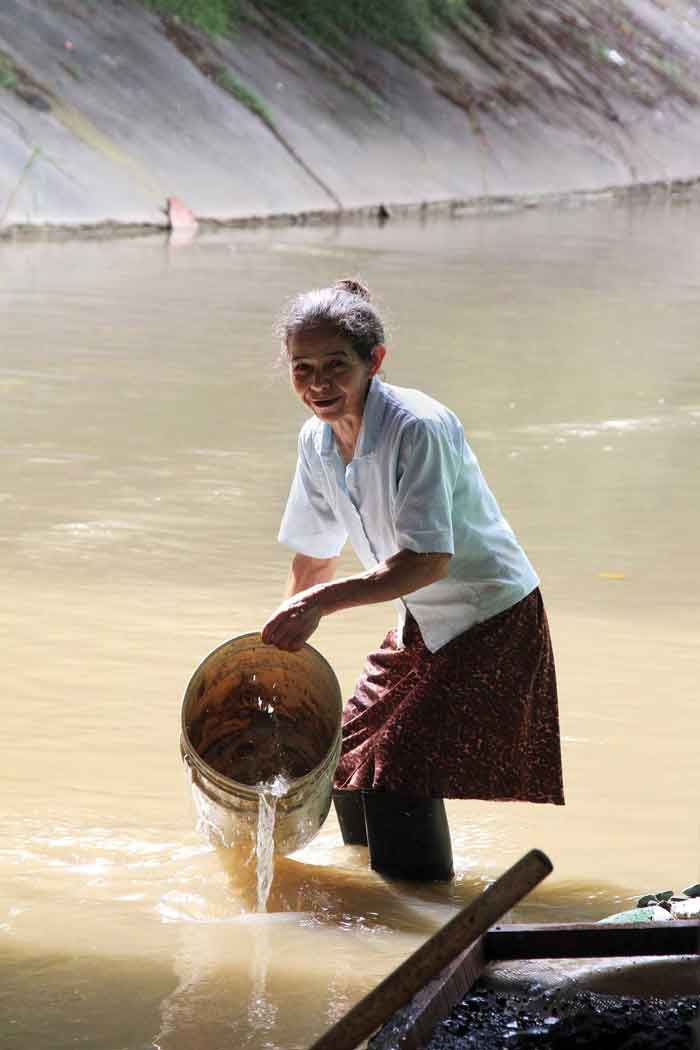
[354, 287]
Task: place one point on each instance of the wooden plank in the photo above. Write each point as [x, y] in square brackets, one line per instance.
[411, 1027]
[592, 940]
[436, 953]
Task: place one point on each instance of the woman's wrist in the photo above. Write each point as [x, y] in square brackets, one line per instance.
[342, 594]
[316, 597]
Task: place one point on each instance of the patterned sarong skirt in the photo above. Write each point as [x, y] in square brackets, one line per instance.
[476, 719]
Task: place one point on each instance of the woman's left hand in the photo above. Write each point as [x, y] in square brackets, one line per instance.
[294, 622]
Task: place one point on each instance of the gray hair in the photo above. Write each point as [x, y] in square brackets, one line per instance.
[344, 308]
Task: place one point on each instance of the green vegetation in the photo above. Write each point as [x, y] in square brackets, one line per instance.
[228, 82]
[588, 56]
[8, 73]
[392, 22]
[217, 17]
[71, 70]
[330, 22]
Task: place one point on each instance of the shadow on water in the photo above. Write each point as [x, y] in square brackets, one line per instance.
[337, 894]
[330, 894]
[553, 901]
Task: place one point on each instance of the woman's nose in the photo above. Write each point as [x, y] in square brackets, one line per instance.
[320, 378]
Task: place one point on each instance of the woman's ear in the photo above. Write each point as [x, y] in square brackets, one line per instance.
[377, 355]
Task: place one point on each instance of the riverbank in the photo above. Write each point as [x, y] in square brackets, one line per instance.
[106, 115]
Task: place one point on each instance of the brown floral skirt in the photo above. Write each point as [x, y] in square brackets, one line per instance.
[476, 719]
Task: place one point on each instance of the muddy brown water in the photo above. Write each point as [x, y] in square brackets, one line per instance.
[249, 736]
[147, 444]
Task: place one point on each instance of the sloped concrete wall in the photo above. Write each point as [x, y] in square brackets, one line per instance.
[110, 115]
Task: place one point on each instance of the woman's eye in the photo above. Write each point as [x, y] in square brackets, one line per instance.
[334, 364]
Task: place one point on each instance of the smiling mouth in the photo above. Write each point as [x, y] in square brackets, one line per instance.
[324, 402]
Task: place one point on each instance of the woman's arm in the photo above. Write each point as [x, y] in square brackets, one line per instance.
[299, 616]
[305, 572]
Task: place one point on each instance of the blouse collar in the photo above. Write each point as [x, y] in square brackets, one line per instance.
[372, 417]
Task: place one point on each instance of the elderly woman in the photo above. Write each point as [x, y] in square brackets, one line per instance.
[460, 700]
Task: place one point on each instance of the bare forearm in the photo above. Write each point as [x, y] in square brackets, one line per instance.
[312, 592]
[305, 572]
[399, 575]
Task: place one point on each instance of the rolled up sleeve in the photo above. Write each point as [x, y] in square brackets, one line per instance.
[429, 465]
[309, 525]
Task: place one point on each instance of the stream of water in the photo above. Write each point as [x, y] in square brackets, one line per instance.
[269, 793]
[147, 441]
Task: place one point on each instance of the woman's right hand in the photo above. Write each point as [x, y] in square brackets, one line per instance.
[294, 622]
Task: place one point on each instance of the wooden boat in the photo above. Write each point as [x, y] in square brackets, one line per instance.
[411, 1028]
[406, 1006]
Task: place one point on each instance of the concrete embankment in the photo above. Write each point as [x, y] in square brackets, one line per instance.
[107, 110]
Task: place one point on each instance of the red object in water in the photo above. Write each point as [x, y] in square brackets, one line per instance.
[179, 215]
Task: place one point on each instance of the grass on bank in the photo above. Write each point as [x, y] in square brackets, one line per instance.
[217, 17]
[386, 22]
[586, 55]
[408, 23]
[8, 74]
[230, 83]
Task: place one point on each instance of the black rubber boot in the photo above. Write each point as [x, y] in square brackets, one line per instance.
[351, 817]
[408, 837]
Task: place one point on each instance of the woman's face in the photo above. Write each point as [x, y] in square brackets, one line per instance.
[328, 375]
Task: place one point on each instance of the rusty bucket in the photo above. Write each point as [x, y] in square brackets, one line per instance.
[255, 716]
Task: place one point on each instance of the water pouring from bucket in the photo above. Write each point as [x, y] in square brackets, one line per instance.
[260, 737]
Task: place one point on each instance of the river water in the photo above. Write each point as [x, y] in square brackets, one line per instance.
[147, 441]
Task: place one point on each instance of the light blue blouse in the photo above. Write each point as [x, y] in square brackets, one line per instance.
[413, 484]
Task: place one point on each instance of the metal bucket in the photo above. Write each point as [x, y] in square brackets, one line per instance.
[250, 713]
